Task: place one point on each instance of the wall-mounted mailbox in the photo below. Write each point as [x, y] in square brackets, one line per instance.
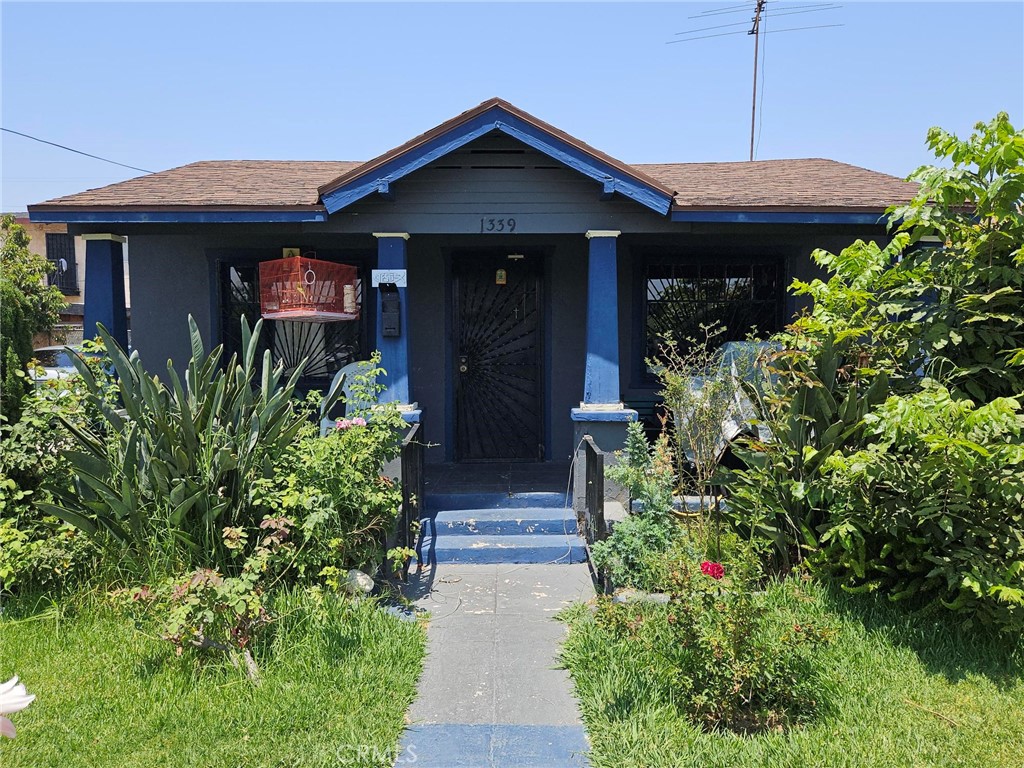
[390, 311]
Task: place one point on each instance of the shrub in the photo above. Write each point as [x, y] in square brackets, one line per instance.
[629, 553]
[701, 387]
[932, 507]
[28, 305]
[158, 481]
[38, 550]
[334, 487]
[812, 405]
[205, 611]
[726, 654]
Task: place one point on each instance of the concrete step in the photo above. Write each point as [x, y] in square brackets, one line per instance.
[492, 522]
[522, 548]
[451, 501]
[688, 503]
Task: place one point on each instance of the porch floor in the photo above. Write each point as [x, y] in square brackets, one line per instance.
[512, 478]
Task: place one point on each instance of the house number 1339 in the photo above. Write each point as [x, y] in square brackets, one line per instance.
[497, 225]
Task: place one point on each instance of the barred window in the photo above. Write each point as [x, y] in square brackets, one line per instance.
[741, 297]
[60, 252]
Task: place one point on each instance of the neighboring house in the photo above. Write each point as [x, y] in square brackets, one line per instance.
[534, 272]
[66, 253]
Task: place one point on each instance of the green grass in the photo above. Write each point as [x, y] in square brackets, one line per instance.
[897, 690]
[334, 691]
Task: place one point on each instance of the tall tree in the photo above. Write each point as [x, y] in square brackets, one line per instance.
[27, 306]
[946, 297]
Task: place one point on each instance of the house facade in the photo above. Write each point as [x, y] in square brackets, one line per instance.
[533, 273]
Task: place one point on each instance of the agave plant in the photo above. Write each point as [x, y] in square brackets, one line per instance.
[178, 462]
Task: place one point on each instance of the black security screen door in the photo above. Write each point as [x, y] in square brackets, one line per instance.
[497, 358]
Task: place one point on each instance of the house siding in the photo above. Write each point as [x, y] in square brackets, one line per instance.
[176, 269]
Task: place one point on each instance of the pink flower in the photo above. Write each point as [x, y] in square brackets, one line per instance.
[13, 698]
[358, 421]
[343, 424]
[714, 570]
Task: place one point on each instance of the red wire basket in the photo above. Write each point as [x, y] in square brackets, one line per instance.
[303, 289]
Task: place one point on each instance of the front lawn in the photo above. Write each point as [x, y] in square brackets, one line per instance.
[896, 690]
[336, 682]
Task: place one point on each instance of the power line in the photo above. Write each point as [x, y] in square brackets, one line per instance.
[76, 151]
[776, 14]
[741, 32]
[779, 9]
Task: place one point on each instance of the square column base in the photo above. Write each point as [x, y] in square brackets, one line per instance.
[607, 427]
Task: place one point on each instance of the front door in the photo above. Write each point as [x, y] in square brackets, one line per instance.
[497, 357]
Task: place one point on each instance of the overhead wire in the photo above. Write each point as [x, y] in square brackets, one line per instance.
[72, 149]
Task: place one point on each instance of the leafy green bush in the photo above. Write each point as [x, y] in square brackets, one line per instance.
[723, 651]
[334, 487]
[205, 611]
[37, 550]
[932, 507]
[28, 305]
[701, 387]
[157, 482]
[812, 405]
[630, 552]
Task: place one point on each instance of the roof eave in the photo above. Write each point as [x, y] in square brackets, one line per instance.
[70, 214]
[779, 215]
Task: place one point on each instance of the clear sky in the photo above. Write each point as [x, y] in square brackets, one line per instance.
[159, 85]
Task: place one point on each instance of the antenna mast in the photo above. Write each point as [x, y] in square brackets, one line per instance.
[760, 7]
[756, 32]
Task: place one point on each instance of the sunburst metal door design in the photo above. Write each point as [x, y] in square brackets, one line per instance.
[497, 355]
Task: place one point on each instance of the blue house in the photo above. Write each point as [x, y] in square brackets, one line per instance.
[533, 273]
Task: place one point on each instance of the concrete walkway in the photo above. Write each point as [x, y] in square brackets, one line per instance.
[491, 693]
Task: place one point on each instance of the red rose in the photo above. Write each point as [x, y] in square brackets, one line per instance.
[714, 570]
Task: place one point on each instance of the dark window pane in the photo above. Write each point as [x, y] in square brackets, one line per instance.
[60, 252]
[741, 297]
[326, 347]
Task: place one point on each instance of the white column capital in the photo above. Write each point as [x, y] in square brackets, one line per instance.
[403, 235]
[602, 233]
[106, 236]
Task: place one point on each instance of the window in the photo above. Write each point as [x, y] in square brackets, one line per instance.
[681, 296]
[60, 252]
[326, 347]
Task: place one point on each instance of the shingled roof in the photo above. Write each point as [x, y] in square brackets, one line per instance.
[241, 183]
[763, 185]
[806, 184]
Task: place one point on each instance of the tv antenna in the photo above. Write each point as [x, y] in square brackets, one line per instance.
[757, 29]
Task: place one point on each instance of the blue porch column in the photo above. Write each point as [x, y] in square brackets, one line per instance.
[104, 287]
[601, 386]
[394, 350]
[601, 415]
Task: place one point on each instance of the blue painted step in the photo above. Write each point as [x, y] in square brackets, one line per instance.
[532, 548]
[492, 522]
[450, 501]
[493, 746]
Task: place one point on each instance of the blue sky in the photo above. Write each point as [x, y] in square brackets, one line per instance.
[159, 85]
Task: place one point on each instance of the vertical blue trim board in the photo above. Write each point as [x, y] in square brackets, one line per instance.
[602, 372]
[394, 351]
[104, 278]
